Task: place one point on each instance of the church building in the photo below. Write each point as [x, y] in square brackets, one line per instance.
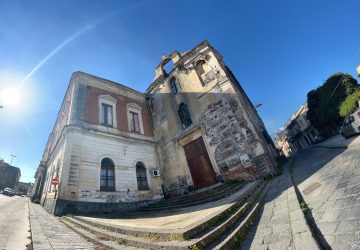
[113, 148]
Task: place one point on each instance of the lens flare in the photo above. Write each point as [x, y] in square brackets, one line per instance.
[10, 97]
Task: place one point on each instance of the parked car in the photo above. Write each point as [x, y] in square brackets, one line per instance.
[351, 125]
[8, 192]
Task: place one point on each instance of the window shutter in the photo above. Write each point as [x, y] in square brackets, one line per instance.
[109, 115]
[136, 122]
[102, 114]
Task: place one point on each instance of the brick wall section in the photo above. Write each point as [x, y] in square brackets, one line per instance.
[80, 102]
[92, 109]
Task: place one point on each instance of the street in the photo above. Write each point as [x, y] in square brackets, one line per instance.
[328, 179]
[14, 222]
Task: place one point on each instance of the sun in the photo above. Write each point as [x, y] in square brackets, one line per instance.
[10, 97]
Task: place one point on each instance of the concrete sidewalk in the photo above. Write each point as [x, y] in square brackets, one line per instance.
[282, 224]
[338, 141]
[49, 233]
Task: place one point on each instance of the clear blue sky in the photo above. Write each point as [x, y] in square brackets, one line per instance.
[279, 50]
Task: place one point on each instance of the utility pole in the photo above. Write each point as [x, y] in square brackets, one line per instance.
[12, 157]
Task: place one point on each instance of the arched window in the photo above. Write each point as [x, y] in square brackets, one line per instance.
[184, 115]
[107, 182]
[201, 69]
[141, 177]
[174, 86]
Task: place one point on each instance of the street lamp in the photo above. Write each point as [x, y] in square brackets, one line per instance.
[12, 157]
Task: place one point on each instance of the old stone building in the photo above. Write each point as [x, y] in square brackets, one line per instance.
[9, 175]
[115, 148]
[206, 128]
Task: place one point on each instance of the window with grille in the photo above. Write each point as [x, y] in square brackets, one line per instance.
[174, 86]
[107, 180]
[184, 115]
[141, 177]
[106, 114]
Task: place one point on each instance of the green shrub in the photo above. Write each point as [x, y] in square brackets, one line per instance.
[349, 105]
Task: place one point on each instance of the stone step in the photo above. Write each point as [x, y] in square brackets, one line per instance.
[236, 234]
[202, 235]
[214, 220]
[236, 217]
[236, 201]
[225, 188]
[98, 240]
[193, 202]
[198, 193]
[97, 236]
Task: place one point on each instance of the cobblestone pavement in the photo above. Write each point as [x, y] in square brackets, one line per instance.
[282, 224]
[49, 233]
[339, 141]
[14, 222]
[329, 180]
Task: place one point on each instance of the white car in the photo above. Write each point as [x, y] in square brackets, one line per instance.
[8, 192]
[351, 125]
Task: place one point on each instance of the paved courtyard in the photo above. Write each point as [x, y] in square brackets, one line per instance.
[14, 222]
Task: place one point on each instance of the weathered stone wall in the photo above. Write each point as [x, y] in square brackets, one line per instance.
[220, 111]
[228, 131]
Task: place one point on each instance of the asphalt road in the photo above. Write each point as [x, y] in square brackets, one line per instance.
[14, 222]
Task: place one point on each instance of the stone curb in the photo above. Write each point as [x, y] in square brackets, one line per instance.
[30, 227]
[332, 147]
[301, 233]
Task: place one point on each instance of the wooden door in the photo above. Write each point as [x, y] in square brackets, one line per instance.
[202, 172]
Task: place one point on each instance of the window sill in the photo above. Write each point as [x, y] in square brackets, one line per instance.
[135, 132]
[107, 125]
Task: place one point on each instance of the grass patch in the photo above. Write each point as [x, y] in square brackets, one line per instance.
[29, 246]
[121, 241]
[197, 247]
[101, 236]
[161, 238]
[304, 207]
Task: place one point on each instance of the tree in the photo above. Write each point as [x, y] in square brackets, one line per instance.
[350, 104]
[324, 102]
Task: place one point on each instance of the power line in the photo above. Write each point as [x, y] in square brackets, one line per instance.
[352, 60]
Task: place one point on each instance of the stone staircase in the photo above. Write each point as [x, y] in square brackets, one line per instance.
[224, 229]
[192, 199]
